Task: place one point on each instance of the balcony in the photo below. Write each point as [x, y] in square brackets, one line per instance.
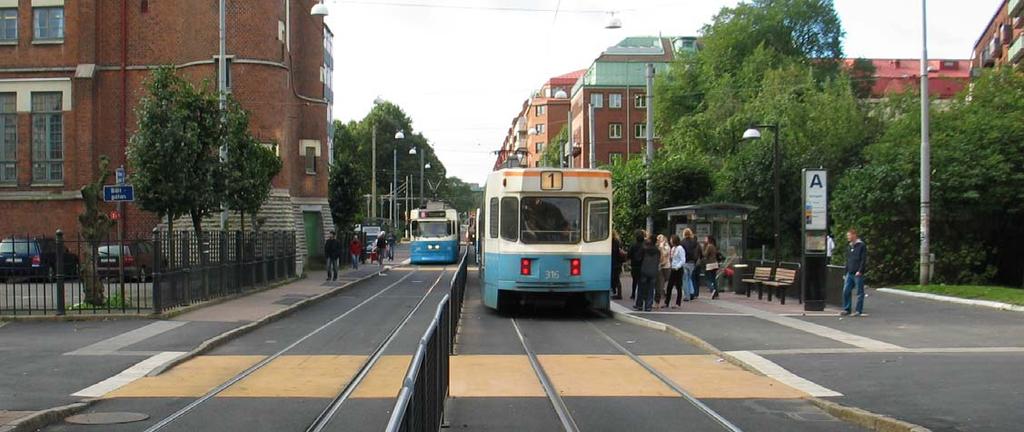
[1016, 50]
[1014, 7]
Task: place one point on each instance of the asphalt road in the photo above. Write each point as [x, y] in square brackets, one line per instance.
[321, 348]
[495, 389]
[955, 367]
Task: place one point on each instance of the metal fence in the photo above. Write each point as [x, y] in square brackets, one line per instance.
[420, 404]
[137, 274]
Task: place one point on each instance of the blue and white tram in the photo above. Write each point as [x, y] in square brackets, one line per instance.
[435, 236]
[546, 232]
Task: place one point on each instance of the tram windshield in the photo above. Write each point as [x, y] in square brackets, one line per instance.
[550, 220]
[433, 229]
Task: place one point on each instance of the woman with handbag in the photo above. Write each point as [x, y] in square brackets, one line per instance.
[711, 264]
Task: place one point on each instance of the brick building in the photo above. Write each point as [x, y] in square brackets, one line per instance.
[1000, 42]
[72, 72]
[615, 85]
[946, 78]
[540, 120]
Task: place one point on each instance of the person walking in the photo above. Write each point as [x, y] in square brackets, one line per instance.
[618, 258]
[691, 275]
[391, 246]
[664, 269]
[355, 250]
[636, 259]
[648, 275]
[382, 250]
[856, 265]
[332, 254]
[675, 280]
[711, 265]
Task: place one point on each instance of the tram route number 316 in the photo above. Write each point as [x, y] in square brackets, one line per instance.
[551, 180]
[552, 274]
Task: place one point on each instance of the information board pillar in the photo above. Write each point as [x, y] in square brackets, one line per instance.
[814, 259]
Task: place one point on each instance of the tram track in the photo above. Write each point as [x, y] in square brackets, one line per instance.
[327, 414]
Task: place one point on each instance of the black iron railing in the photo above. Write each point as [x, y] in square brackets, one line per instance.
[421, 401]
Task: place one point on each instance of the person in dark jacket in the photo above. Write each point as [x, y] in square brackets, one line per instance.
[651, 259]
[856, 265]
[618, 258]
[332, 254]
[382, 250]
[636, 259]
[691, 273]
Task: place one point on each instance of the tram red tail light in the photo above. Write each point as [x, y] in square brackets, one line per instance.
[525, 267]
[575, 268]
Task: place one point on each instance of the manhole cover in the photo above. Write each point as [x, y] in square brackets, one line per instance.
[106, 418]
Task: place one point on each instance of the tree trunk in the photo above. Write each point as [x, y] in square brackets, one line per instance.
[241, 215]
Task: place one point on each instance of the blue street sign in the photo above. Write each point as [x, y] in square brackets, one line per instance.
[119, 175]
[118, 193]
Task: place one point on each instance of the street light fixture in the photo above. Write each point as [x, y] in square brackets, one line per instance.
[754, 134]
[413, 151]
[614, 23]
[319, 9]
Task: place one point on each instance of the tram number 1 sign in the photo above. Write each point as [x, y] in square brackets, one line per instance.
[551, 180]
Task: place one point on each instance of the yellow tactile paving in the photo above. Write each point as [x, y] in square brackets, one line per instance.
[193, 378]
[704, 377]
[313, 376]
[385, 379]
[602, 375]
[493, 376]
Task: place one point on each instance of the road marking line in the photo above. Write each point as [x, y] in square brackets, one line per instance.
[110, 345]
[782, 375]
[127, 376]
[694, 313]
[708, 377]
[313, 376]
[928, 350]
[815, 329]
[192, 378]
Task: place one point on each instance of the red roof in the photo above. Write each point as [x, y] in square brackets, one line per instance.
[567, 79]
[946, 77]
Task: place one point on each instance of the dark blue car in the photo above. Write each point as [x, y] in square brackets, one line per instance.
[24, 258]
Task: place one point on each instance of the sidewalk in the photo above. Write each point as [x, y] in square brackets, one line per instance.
[45, 364]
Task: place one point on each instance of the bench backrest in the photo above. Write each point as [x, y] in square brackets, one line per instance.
[785, 275]
[763, 273]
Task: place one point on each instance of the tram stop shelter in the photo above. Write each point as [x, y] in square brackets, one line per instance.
[726, 221]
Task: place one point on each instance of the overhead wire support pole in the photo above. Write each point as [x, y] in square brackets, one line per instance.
[222, 88]
[649, 157]
[926, 154]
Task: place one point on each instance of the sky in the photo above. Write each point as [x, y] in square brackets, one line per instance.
[461, 69]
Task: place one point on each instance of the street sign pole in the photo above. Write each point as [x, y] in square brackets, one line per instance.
[120, 178]
[814, 260]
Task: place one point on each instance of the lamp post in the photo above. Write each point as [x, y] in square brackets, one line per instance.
[752, 134]
[222, 89]
[926, 155]
[413, 151]
[394, 178]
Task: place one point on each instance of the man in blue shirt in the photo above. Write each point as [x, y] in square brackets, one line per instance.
[856, 265]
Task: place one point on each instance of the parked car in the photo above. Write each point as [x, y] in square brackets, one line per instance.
[138, 260]
[34, 258]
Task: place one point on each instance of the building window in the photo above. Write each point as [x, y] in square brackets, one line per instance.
[8, 139]
[640, 130]
[615, 130]
[311, 160]
[614, 158]
[47, 137]
[597, 100]
[9, 25]
[539, 147]
[539, 110]
[615, 100]
[539, 128]
[640, 100]
[48, 23]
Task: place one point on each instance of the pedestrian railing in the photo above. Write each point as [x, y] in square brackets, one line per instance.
[136, 274]
[421, 401]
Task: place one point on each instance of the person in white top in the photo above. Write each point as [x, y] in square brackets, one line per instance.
[675, 279]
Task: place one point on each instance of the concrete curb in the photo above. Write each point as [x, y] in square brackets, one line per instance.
[949, 299]
[46, 417]
[237, 332]
[857, 416]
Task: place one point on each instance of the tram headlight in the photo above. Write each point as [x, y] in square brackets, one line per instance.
[575, 267]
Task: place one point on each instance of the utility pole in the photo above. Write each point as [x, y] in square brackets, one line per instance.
[373, 175]
[566, 161]
[926, 153]
[423, 151]
[394, 186]
[649, 159]
[593, 146]
[222, 87]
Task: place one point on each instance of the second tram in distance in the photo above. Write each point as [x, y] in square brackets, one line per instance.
[546, 233]
[435, 235]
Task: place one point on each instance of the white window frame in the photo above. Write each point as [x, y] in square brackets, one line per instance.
[597, 100]
[640, 100]
[615, 130]
[4, 18]
[640, 130]
[614, 100]
[36, 29]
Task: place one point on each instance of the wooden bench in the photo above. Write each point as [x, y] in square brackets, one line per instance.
[784, 278]
[761, 275]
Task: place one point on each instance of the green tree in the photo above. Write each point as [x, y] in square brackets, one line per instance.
[345, 191]
[250, 167]
[173, 154]
[552, 155]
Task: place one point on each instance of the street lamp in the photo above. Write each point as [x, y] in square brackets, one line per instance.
[754, 134]
[413, 151]
[614, 23]
[394, 178]
[319, 9]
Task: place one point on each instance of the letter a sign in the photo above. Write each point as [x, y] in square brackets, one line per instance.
[815, 200]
